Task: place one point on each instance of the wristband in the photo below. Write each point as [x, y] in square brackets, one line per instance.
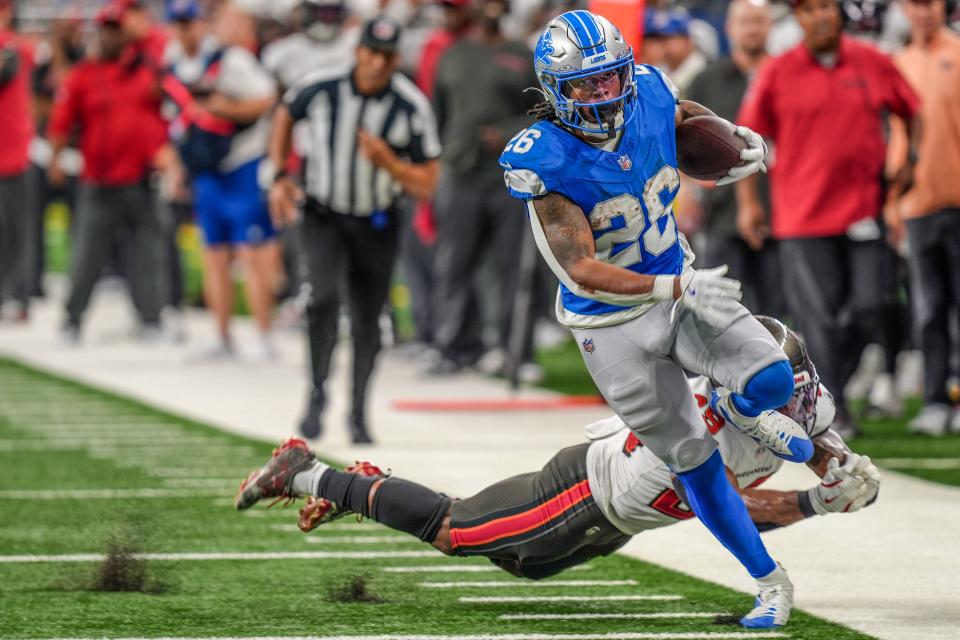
[280, 175]
[805, 504]
[663, 288]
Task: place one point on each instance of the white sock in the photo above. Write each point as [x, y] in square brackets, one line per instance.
[775, 577]
[305, 483]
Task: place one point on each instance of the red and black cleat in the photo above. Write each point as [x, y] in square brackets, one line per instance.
[275, 478]
[320, 511]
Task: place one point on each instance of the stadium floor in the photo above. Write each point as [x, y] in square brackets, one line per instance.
[117, 521]
[887, 571]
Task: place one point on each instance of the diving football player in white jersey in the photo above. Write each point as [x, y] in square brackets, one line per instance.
[590, 499]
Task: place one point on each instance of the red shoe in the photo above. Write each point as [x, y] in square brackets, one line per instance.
[320, 511]
[275, 478]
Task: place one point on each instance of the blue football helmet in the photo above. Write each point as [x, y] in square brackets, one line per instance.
[582, 54]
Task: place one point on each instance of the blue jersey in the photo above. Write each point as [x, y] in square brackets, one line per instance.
[626, 194]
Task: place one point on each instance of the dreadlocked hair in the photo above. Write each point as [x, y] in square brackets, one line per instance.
[543, 111]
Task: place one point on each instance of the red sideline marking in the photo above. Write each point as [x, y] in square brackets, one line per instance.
[506, 404]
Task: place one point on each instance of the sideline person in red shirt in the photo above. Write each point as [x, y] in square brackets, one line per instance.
[823, 104]
[108, 99]
[16, 64]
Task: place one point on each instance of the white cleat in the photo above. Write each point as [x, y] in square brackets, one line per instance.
[774, 601]
[932, 420]
[772, 430]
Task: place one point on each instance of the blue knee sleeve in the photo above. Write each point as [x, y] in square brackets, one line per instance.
[720, 508]
[770, 388]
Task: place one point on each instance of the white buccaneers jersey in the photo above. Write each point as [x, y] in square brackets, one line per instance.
[634, 488]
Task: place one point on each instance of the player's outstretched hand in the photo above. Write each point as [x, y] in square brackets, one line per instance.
[710, 295]
[752, 157]
[862, 467]
[838, 491]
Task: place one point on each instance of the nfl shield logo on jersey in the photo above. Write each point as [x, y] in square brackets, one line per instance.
[588, 345]
[625, 162]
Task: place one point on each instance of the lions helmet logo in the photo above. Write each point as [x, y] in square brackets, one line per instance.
[588, 345]
[544, 49]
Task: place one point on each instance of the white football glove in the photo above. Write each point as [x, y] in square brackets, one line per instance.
[860, 466]
[838, 491]
[710, 295]
[752, 157]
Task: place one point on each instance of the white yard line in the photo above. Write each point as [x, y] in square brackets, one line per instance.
[239, 555]
[26, 444]
[513, 584]
[919, 463]
[170, 473]
[616, 598]
[667, 615]
[184, 483]
[362, 540]
[628, 635]
[105, 494]
[334, 526]
[467, 568]
[53, 424]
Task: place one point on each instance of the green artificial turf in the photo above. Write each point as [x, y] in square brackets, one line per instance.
[888, 442]
[57, 437]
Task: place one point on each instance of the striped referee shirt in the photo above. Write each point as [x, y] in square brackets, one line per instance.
[338, 175]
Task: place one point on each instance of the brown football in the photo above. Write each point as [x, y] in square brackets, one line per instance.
[708, 147]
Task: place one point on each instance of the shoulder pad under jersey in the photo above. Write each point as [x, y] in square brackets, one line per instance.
[537, 160]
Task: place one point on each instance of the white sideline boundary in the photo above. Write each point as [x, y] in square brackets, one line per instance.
[512, 584]
[470, 568]
[239, 555]
[919, 463]
[608, 616]
[616, 598]
[720, 635]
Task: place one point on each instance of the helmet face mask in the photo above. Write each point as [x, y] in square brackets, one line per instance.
[585, 69]
[802, 406]
[599, 98]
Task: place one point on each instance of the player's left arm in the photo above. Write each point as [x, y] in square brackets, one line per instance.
[848, 483]
[770, 509]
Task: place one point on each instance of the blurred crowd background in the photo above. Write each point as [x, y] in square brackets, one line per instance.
[134, 149]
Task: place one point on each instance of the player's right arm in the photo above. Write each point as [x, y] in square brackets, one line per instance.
[563, 233]
[565, 239]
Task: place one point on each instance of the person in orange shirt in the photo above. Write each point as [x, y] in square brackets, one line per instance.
[930, 210]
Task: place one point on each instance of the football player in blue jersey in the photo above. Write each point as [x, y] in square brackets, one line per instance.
[598, 174]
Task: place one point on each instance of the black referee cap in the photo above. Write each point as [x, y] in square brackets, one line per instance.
[382, 34]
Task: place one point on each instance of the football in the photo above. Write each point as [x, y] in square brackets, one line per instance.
[708, 147]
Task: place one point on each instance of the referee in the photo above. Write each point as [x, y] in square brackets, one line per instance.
[373, 135]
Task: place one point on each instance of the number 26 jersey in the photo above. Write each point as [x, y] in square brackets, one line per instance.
[626, 194]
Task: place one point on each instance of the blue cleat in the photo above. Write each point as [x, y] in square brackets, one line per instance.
[772, 430]
[773, 604]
